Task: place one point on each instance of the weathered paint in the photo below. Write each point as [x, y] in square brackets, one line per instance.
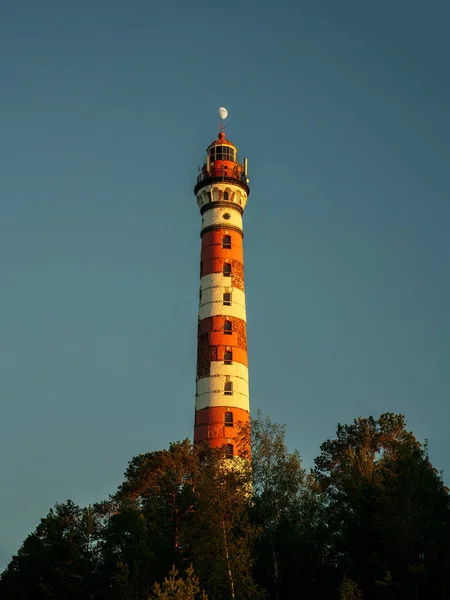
[213, 343]
[212, 289]
[218, 324]
[218, 216]
[212, 245]
[216, 193]
[216, 257]
[210, 426]
[222, 339]
[206, 366]
[236, 369]
[234, 335]
[216, 265]
[210, 392]
[207, 354]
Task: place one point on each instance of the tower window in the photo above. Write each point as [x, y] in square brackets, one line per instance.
[228, 328]
[226, 216]
[228, 388]
[222, 153]
[225, 195]
[226, 270]
[228, 357]
[226, 241]
[229, 449]
[227, 299]
[228, 421]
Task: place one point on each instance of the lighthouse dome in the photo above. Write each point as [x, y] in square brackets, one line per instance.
[223, 164]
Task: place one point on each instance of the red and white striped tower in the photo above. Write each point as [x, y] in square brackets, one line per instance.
[222, 394]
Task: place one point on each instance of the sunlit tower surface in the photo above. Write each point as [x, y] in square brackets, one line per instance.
[222, 390]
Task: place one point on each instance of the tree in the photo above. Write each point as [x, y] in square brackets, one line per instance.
[130, 560]
[279, 486]
[141, 535]
[174, 588]
[387, 509]
[161, 482]
[177, 506]
[58, 560]
[349, 590]
[219, 535]
[372, 518]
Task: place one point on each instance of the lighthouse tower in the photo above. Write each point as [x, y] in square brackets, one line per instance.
[222, 392]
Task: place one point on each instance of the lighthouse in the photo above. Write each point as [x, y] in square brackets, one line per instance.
[222, 389]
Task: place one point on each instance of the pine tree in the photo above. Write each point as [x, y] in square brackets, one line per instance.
[177, 588]
[349, 590]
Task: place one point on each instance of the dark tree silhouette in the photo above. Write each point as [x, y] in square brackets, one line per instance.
[371, 521]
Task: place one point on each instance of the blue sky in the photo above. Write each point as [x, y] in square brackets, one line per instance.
[106, 109]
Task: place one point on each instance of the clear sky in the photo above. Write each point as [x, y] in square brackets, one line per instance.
[106, 108]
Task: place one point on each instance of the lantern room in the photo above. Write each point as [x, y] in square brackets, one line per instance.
[222, 164]
[221, 149]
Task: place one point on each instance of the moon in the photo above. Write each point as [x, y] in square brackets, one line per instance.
[223, 112]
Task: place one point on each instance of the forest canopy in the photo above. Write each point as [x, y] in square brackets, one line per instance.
[370, 521]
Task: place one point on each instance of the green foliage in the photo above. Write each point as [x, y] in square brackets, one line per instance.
[349, 590]
[58, 560]
[372, 519]
[280, 488]
[219, 535]
[386, 508]
[177, 588]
